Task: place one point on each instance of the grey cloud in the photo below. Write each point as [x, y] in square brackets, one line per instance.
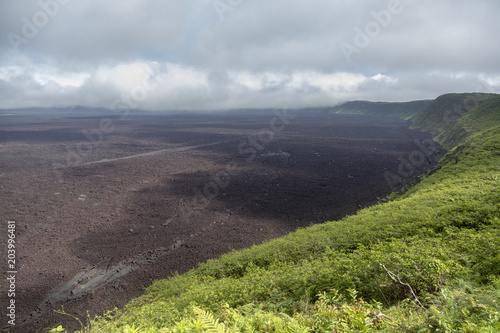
[426, 48]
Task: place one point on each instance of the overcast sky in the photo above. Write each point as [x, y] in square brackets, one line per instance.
[205, 54]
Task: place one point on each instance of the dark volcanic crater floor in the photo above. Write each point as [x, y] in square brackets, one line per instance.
[103, 208]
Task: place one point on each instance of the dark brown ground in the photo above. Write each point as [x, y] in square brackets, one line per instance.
[148, 213]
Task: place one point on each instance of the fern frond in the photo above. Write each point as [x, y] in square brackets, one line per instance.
[213, 325]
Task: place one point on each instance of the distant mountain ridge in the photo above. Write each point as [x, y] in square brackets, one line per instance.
[383, 109]
[450, 117]
[453, 117]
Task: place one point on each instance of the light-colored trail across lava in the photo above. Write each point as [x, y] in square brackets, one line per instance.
[156, 152]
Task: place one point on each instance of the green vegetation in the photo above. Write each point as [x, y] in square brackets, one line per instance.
[383, 109]
[453, 117]
[428, 260]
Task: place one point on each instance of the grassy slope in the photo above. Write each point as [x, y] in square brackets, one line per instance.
[400, 110]
[453, 117]
[442, 237]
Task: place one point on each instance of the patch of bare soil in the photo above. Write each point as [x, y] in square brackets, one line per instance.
[104, 208]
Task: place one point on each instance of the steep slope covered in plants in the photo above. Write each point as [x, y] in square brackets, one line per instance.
[453, 117]
[382, 109]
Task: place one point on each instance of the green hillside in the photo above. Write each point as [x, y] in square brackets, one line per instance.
[382, 109]
[453, 117]
[427, 260]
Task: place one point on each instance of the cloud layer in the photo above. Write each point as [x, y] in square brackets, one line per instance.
[219, 54]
